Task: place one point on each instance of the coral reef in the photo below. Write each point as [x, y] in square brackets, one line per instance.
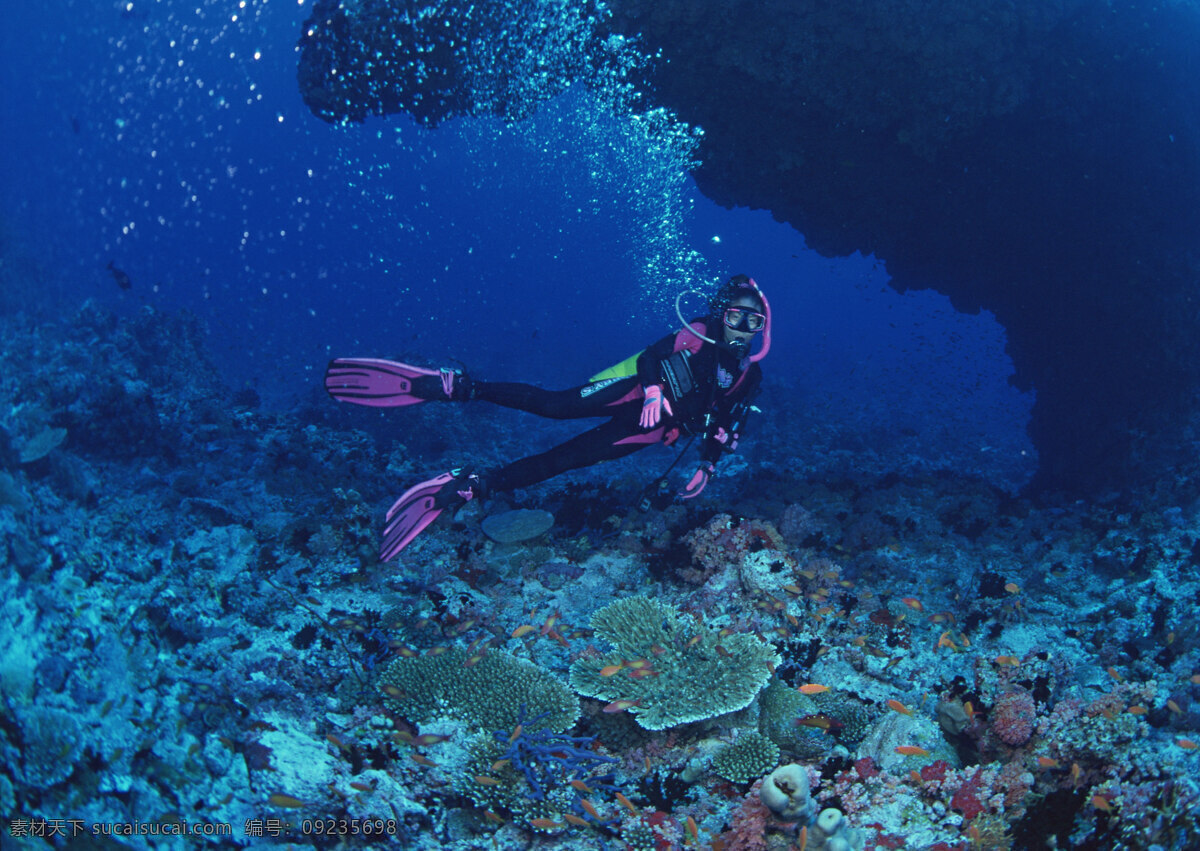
[197, 628]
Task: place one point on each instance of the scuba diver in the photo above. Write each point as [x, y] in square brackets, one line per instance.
[697, 381]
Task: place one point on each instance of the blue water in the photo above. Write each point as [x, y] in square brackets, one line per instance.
[194, 622]
[170, 139]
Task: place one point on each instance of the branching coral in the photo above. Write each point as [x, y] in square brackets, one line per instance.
[748, 758]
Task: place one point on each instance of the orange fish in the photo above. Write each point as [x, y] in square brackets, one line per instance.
[913, 603]
[581, 786]
[522, 631]
[808, 574]
[693, 832]
[1112, 672]
[516, 733]
[944, 640]
[491, 816]
[1076, 773]
[281, 800]
[419, 759]
[361, 787]
[1101, 803]
[590, 809]
[621, 705]
[426, 739]
[812, 688]
[637, 664]
[1012, 587]
[436, 651]
[576, 820]
[499, 764]
[723, 652]
[646, 672]
[1174, 707]
[549, 624]
[610, 670]
[898, 706]
[1194, 679]
[817, 722]
[485, 780]
[694, 640]
[657, 650]
[793, 589]
[473, 660]
[969, 709]
[544, 823]
[911, 750]
[1187, 744]
[803, 838]
[626, 803]
[1008, 660]
[1047, 762]
[1137, 710]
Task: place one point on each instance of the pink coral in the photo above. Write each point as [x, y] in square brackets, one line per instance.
[1013, 717]
[748, 827]
[966, 798]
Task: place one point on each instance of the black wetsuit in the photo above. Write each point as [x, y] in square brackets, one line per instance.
[708, 388]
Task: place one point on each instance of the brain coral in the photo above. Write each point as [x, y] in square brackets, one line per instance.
[488, 694]
[673, 669]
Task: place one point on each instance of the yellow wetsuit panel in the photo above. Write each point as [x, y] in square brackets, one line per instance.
[624, 369]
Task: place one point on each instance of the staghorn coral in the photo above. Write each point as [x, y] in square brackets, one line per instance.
[489, 694]
[685, 671]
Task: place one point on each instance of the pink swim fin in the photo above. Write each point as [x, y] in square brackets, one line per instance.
[380, 383]
[422, 504]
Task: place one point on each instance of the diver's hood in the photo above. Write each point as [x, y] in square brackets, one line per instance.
[739, 348]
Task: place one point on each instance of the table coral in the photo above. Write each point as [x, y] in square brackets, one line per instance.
[668, 669]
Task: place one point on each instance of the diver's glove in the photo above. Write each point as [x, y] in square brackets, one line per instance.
[698, 480]
[653, 406]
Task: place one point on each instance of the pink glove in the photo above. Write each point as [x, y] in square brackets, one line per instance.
[653, 406]
[697, 482]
